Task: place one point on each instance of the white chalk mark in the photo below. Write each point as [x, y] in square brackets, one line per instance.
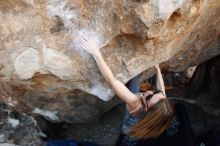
[27, 63]
[52, 115]
[101, 92]
[14, 122]
[167, 7]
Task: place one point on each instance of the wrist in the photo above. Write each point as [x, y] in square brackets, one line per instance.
[97, 55]
[158, 69]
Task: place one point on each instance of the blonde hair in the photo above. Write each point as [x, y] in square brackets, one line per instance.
[156, 120]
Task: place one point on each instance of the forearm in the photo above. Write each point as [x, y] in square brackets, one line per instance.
[160, 82]
[120, 89]
[104, 69]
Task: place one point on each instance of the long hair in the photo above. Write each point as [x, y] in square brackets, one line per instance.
[156, 120]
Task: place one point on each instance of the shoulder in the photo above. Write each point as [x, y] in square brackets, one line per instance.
[136, 109]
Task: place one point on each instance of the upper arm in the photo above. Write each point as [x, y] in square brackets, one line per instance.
[160, 82]
[125, 94]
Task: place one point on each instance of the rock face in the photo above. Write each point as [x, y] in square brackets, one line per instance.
[50, 75]
[18, 128]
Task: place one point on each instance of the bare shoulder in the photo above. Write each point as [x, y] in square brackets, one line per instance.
[136, 107]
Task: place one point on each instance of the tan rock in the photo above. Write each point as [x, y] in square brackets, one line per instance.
[27, 63]
[40, 51]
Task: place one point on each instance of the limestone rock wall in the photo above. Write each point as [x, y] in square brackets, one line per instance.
[49, 73]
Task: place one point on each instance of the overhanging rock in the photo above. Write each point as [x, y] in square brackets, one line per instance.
[40, 53]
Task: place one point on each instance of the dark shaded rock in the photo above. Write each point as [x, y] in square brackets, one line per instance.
[205, 80]
[17, 128]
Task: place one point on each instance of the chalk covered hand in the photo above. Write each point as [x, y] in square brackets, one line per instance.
[89, 46]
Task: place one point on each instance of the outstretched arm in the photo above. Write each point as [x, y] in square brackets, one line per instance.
[120, 89]
[159, 80]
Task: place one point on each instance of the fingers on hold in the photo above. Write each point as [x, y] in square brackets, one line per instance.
[84, 38]
[82, 44]
[85, 47]
[83, 41]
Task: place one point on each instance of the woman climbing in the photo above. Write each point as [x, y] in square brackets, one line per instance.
[149, 113]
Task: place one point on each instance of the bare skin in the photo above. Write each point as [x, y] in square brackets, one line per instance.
[132, 100]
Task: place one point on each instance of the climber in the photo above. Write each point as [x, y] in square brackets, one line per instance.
[149, 113]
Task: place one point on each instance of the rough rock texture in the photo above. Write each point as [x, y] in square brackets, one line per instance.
[16, 128]
[51, 75]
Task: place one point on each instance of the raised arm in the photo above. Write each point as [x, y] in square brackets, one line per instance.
[159, 80]
[120, 89]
